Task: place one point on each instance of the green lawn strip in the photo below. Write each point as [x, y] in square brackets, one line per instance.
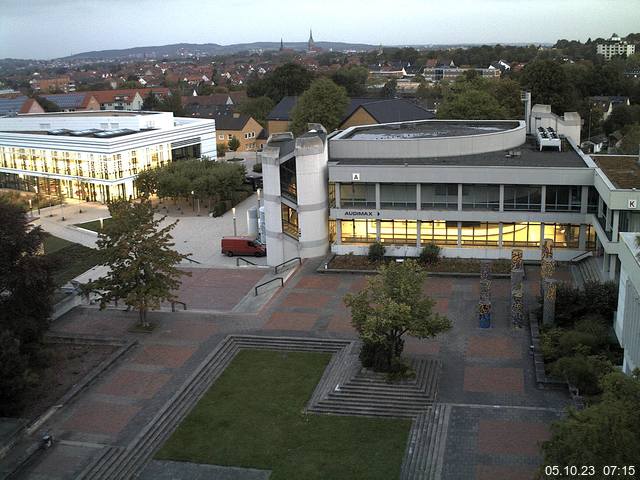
[52, 244]
[253, 417]
[93, 225]
[67, 259]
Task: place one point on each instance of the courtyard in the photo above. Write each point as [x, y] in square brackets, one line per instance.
[494, 416]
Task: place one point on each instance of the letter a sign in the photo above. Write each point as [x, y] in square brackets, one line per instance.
[355, 177]
[632, 203]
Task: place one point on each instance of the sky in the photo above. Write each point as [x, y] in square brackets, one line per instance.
[44, 29]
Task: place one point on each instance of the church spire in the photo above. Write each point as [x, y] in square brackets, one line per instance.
[311, 43]
[281, 44]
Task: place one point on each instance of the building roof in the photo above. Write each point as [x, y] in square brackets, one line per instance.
[383, 110]
[230, 121]
[527, 155]
[622, 170]
[128, 94]
[13, 105]
[70, 100]
[231, 98]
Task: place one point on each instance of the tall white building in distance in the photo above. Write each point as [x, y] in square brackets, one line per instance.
[615, 46]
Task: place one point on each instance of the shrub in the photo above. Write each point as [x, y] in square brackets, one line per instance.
[376, 252]
[573, 304]
[430, 254]
[549, 341]
[257, 168]
[573, 341]
[583, 372]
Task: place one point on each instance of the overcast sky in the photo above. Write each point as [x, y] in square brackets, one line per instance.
[55, 28]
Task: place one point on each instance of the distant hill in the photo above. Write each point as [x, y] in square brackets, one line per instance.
[183, 49]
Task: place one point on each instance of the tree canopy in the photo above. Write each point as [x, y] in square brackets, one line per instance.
[258, 108]
[142, 262]
[605, 433]
[324, 102]
[25, 303]
[353, 79]
[390, 306]
[289, 79]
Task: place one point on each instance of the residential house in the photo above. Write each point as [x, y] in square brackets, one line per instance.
[608, 103]
[49, 85]
[615, 46]
[71, 102]
[361, 111]
[19, 104]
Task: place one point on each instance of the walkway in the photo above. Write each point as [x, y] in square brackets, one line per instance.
[495, 415]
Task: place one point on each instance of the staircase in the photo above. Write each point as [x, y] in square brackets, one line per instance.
[587, 270]
[423, 458]
[369, 393]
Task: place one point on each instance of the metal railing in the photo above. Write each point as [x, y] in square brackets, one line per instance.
[580, 257]
[248, 262]
[173, 305]
[267, 283]
[275, 269]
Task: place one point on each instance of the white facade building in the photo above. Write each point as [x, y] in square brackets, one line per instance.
[95, 155]
[615, 46]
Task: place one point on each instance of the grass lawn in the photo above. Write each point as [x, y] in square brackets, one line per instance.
[68, 259]
[253, 417]
[93, 225]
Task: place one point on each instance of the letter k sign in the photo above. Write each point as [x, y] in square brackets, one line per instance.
[633, 203]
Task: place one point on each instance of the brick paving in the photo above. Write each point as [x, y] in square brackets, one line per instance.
[498, 415]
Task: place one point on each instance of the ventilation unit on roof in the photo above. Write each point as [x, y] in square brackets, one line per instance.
[548, 137]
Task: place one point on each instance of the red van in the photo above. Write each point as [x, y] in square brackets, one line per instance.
[242, 246]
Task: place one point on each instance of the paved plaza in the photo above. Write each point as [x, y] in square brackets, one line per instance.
[497, 415]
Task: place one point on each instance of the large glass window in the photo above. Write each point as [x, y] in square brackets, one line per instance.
[563, 199]
[332, 195]
[439, 232]
[358, 231]
[481, 197]
[591, 237]
[523, 234]
[358, 195]
[480, 234]
[403, 232]
[563, 235]
[288, 182]
[522, 197]
[398, 195]
[289, 220]
[439, 196]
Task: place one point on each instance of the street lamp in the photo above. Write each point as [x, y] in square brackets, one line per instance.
[30, 209]
[193, 203]
[37, 197]
[259, 191]
[101, 223]
[235, 229]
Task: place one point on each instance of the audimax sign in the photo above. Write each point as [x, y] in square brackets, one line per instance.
[361, 213]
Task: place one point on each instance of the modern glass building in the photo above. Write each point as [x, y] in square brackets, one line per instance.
[95, 155]
[476, 188]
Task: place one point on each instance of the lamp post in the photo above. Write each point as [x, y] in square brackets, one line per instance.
[193, 203]
[259, 191]
[235, 229]
[37, 197]
[30, 209]
[101, 223]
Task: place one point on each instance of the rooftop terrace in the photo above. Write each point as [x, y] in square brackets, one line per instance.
[427, 129]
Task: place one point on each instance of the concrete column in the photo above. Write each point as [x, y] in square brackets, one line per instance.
[608, 220]
[337, 193]
[459, 234]
[605, 263]
[418, 223]
[377, 196]
[543, 198]
[501, 207]
[377, 230]
[418, 197]
[615, 225]
[612, 266]
[459, 198]
[338, 232]
[312, 176]
[584, 199]
[600, 204]
[272, 200]
[500, 244]
[582, 240]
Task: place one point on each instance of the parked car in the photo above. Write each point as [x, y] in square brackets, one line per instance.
[242, 246]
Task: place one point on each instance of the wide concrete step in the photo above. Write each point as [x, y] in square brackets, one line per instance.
[366, 412]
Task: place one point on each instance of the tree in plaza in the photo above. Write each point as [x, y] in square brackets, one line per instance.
[142, 262]
[324, 102]
[605, 433]
[234, 144]
[390, 306]
[25, 303]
